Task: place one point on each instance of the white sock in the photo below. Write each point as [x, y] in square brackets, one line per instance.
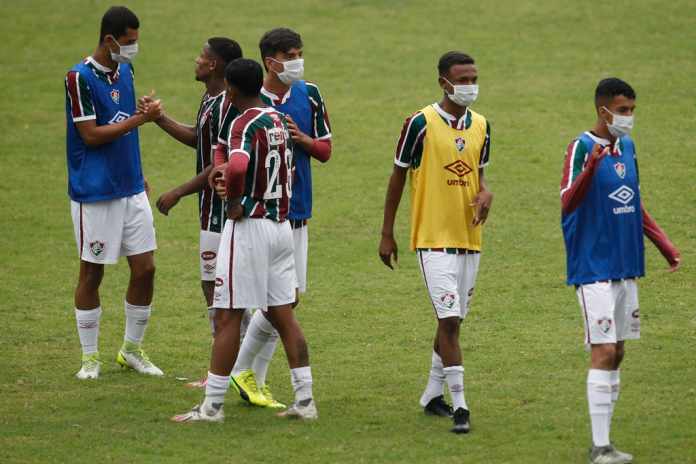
[136, 322]
[615, 382]
[302, 382]
[436, 381]
[599, 401]
[262, 361]
[215, 390]
[253, 341]
[455, 383]
[88, 329]
[211, 319]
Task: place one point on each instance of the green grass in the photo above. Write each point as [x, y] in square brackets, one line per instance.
[369, 329]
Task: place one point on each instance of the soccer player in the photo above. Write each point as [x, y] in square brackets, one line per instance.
[203, 136]
[308, 123]
[256, 267]
[110, 209]
[603, 222]
[444, 147]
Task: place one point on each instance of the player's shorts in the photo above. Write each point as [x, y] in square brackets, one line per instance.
[610, 311]
[300, 236]
[450, 280]
[105, 230]
[255, 266]
[208, 249]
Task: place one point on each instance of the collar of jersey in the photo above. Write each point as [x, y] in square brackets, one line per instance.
[616, 150]
[102, 72]
[462, 123]
[274, 98]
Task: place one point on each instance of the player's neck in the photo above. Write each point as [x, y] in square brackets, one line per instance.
[600, 129]
[215, 86]
[455, 110]
[244, 103]
[103, 57]
[274, 85]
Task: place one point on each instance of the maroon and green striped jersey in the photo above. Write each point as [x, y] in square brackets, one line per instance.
[211, 208]
[262, 135]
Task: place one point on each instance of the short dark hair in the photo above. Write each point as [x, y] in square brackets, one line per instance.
[227, 49]
[245, 75]
[116, 21]
[611, 87]
[277, 40]
[449, 59]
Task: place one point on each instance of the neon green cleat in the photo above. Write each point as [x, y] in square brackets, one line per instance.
[90, 367]
[133, 357]
[272, 403]
[245, 384]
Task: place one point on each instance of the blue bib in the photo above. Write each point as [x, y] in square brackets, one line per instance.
[299, 108]
[112, 170]
[604, 235]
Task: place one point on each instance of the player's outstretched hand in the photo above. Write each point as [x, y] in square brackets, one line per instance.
[297, 135]
[167, 201]
[387, 248]
[217, 171]
[482, 204]
[144, 101]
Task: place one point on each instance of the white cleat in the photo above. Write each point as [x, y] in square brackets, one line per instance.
[305, 410]
[139, 362]
[90, 367]
[608, 455]
[199, 414]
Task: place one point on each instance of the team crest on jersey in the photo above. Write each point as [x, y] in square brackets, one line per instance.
[115, 95]
[620, 169]
[97, 248]
[604, 325]
[459, 143]
[219, 282]
[448, 300]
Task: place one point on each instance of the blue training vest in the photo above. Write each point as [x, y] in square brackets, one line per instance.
[112, 170]
[604, 235]
[299, 108]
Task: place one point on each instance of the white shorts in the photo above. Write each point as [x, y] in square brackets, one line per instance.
[610, 311]
[450, 280]
[255, 266]
[208, 248]
[300, 237]
[105, 230]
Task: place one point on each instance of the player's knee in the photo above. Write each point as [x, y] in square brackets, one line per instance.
[449, 327]
[604, 356]
[91, 276]
[144, 273]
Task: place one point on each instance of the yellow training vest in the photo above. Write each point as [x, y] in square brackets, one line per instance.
[444, 184]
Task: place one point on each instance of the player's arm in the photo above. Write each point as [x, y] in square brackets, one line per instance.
[82, 109]
[184, 133]
[577, 176]
[659, 238]
[169, 199]
[484, 198]
[409, 151]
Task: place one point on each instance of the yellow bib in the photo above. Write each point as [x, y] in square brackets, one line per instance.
[444, 184]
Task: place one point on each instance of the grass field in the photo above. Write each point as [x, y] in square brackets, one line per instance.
[369, 329]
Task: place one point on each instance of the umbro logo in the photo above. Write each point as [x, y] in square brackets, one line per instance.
[459, 167]
[118, 117]
[623, 195]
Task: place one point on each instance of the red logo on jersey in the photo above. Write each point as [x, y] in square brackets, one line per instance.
[459, 143]
[115, 95]
[459, 167]
[208, 255]
[620, 169]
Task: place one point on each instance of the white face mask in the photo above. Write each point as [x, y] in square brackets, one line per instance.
[622, 125]
[293, 70]
[125, 54]
[464, 95]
